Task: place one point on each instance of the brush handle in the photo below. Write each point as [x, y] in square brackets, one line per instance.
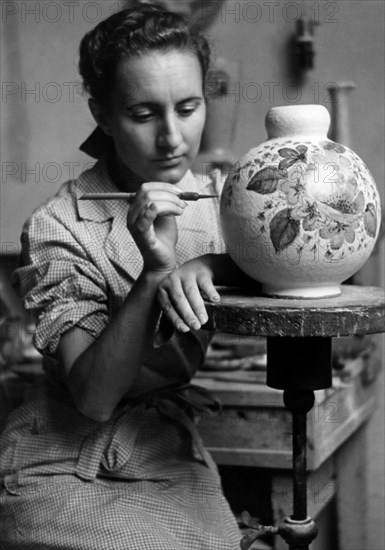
[185, 196]
[107, 196]
[189, 196]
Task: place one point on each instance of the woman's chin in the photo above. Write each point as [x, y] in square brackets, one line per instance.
[170, 175]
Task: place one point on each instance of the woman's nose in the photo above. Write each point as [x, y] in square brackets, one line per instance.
[169, 134]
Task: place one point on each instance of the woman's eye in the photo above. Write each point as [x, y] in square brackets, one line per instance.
[141, 116]
[187, 110]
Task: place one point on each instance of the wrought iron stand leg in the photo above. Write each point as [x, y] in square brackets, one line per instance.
[299, 530]
[299, 366]
[299, 464]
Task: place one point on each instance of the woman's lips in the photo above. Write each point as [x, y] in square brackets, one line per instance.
[169, 161]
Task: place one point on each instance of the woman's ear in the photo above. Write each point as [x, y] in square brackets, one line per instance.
[101, 116]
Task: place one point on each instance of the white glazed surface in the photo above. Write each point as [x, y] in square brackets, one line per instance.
[306, 120]
[300, 213]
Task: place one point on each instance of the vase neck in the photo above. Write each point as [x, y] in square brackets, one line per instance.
[297, 120]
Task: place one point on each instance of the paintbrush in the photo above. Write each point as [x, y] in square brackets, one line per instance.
[185, 196]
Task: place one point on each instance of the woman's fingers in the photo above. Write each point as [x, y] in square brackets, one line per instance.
[143, 213]
[147, 217]
[207, 287]
[195, 303]
[152, 193]
[183, 304]
[170, 312]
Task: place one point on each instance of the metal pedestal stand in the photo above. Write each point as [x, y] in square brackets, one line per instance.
[299, 344]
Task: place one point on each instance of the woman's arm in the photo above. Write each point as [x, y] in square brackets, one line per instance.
[100, 373]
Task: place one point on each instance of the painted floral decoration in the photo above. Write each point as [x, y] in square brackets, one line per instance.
[320, 191]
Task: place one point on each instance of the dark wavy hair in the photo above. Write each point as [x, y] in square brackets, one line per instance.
[134, 32]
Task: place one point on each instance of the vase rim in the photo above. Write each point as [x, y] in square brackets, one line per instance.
[302, 106]
[285, 120]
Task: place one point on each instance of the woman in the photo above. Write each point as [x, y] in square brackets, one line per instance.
[105, 454]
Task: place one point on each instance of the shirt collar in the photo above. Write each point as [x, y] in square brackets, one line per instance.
[96, 180]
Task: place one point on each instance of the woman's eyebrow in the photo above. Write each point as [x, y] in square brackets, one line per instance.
[140, 104]
[192, 98]
[153, 104]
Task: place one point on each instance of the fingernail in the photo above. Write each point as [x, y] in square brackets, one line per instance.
[215, 297]
[182, 327]
[195, 325]
[203, 319]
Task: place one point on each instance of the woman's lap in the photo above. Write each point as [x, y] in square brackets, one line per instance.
[155, 495]
[71, 514]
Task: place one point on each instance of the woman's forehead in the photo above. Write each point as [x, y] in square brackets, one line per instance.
[151, 75]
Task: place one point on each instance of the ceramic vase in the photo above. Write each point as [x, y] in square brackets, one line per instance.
[300, 213]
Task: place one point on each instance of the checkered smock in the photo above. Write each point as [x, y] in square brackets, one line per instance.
[142, 480]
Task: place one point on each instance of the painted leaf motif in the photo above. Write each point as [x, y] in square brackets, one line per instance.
[359, 202]
[332, 146]
[344, 162]
[349, 235]
[283, 229]
[370, 220]
[291, 156]
[319, 159]
[286, 163]
[288, 153]
[266, 181]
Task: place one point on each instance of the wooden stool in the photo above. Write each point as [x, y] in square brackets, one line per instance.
[299, 338]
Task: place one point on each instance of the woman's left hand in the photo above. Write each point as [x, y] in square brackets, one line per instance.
[180, 295]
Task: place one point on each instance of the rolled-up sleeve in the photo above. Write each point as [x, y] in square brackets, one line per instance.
[59, 284]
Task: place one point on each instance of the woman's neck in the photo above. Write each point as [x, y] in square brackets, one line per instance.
[124, 179]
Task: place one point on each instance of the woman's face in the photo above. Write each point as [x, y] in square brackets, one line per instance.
[156, 115]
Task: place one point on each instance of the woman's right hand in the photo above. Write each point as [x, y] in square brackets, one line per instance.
[151, 222]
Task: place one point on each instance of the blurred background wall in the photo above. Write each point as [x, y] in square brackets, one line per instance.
[44, 116]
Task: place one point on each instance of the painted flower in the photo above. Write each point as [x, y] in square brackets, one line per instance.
[307, 211]
[338, 233]
[293, 189]
[337, 198]
[334, 153]
[329, 167]
[344, 204]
